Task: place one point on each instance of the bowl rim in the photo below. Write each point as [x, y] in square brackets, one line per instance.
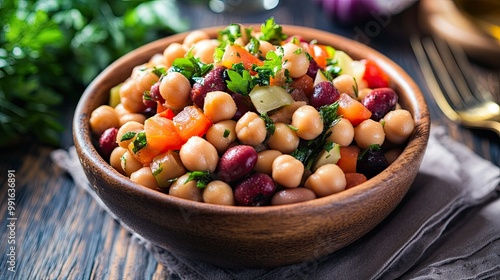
[415, 147]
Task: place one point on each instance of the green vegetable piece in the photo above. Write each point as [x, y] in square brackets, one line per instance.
[202, 178]
[127, 136]
[268, 98]
[272, 32]
[139, 142]
[114, 96]
[330, 154]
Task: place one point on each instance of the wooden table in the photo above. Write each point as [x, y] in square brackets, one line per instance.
[61, 233]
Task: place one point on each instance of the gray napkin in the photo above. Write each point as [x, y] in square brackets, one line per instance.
[446, 227]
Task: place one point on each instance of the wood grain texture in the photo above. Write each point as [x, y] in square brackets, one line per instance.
[62, 233]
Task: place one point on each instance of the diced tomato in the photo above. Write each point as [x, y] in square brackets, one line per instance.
[162, 134]
[352, 109]
[354, 179]
[320, 54]
[304, 83]
[374, 76]
[348, 158]
[167, 113]
[145, 155]
[191, 121]
[234, 54]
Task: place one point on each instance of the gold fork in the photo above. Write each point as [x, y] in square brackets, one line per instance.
[445, 70]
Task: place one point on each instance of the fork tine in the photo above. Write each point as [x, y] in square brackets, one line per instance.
[440, 69]
[424, 61]
[456, 65]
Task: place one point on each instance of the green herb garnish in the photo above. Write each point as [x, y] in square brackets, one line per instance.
[139, 142]
[127, 136]
[191, 67]
[202, 178]
[272, 32]
[226, 133]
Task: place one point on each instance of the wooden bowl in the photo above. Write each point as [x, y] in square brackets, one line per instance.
[251, 237]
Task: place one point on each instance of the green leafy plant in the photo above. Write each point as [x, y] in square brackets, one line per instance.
[51, 49]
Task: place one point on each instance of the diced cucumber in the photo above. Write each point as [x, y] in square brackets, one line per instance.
[326, 157]
[344, 62]
[114, 96]
[268, 98]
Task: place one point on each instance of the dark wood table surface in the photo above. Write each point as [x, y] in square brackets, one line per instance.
[61, 233]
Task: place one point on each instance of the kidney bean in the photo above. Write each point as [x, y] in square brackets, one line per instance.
[107, 142]
[236, 162]
[380, 101]
[324, 93]
[255, 190]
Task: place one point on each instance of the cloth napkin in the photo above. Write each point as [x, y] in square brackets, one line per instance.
[446, 227]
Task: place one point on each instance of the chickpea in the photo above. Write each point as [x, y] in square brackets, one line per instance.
[295, 60]
[308, 122]
[204, 50]
[167, 166]
[187, 190]
[342, 133]
[138, 70]
[392, 154]
[145, 80]
[197, 154]
[156, 60]
[369, 132]
[131, 97]
[136, 117]
[172, 52]
[345, 83]
[289, 196]
[284, 139]
[102, 118]
[129, 163]
[175, 89]
[145, 177]
[398, 126]
[326, 180]
[265, 47]
[131, 126]
[363, 92]
[193, 37]
[251, 129]
[115, 159]
[221, 135]
[219, 106]
[287, 171]
[218, 192]
[265, 161]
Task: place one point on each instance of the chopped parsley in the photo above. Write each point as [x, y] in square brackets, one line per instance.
[226, 133]
[270, 127]
[139, 142]
[202, 178]
[127, 136]
[272, 32]
[191, 67]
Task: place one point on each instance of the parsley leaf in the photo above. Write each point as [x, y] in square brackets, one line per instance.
[272, 32]
[239, 83]
[191, 67]
[127, 136]
[139, 142]
[202, 178]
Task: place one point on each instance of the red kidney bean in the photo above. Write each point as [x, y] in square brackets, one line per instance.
[324, 93]
[313, 69]
[213, 81]
[380, 101]
[107, 142]
[243, 105]
[255, 190]
[236, 162]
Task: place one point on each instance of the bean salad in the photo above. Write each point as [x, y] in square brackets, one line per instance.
[251, 118]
